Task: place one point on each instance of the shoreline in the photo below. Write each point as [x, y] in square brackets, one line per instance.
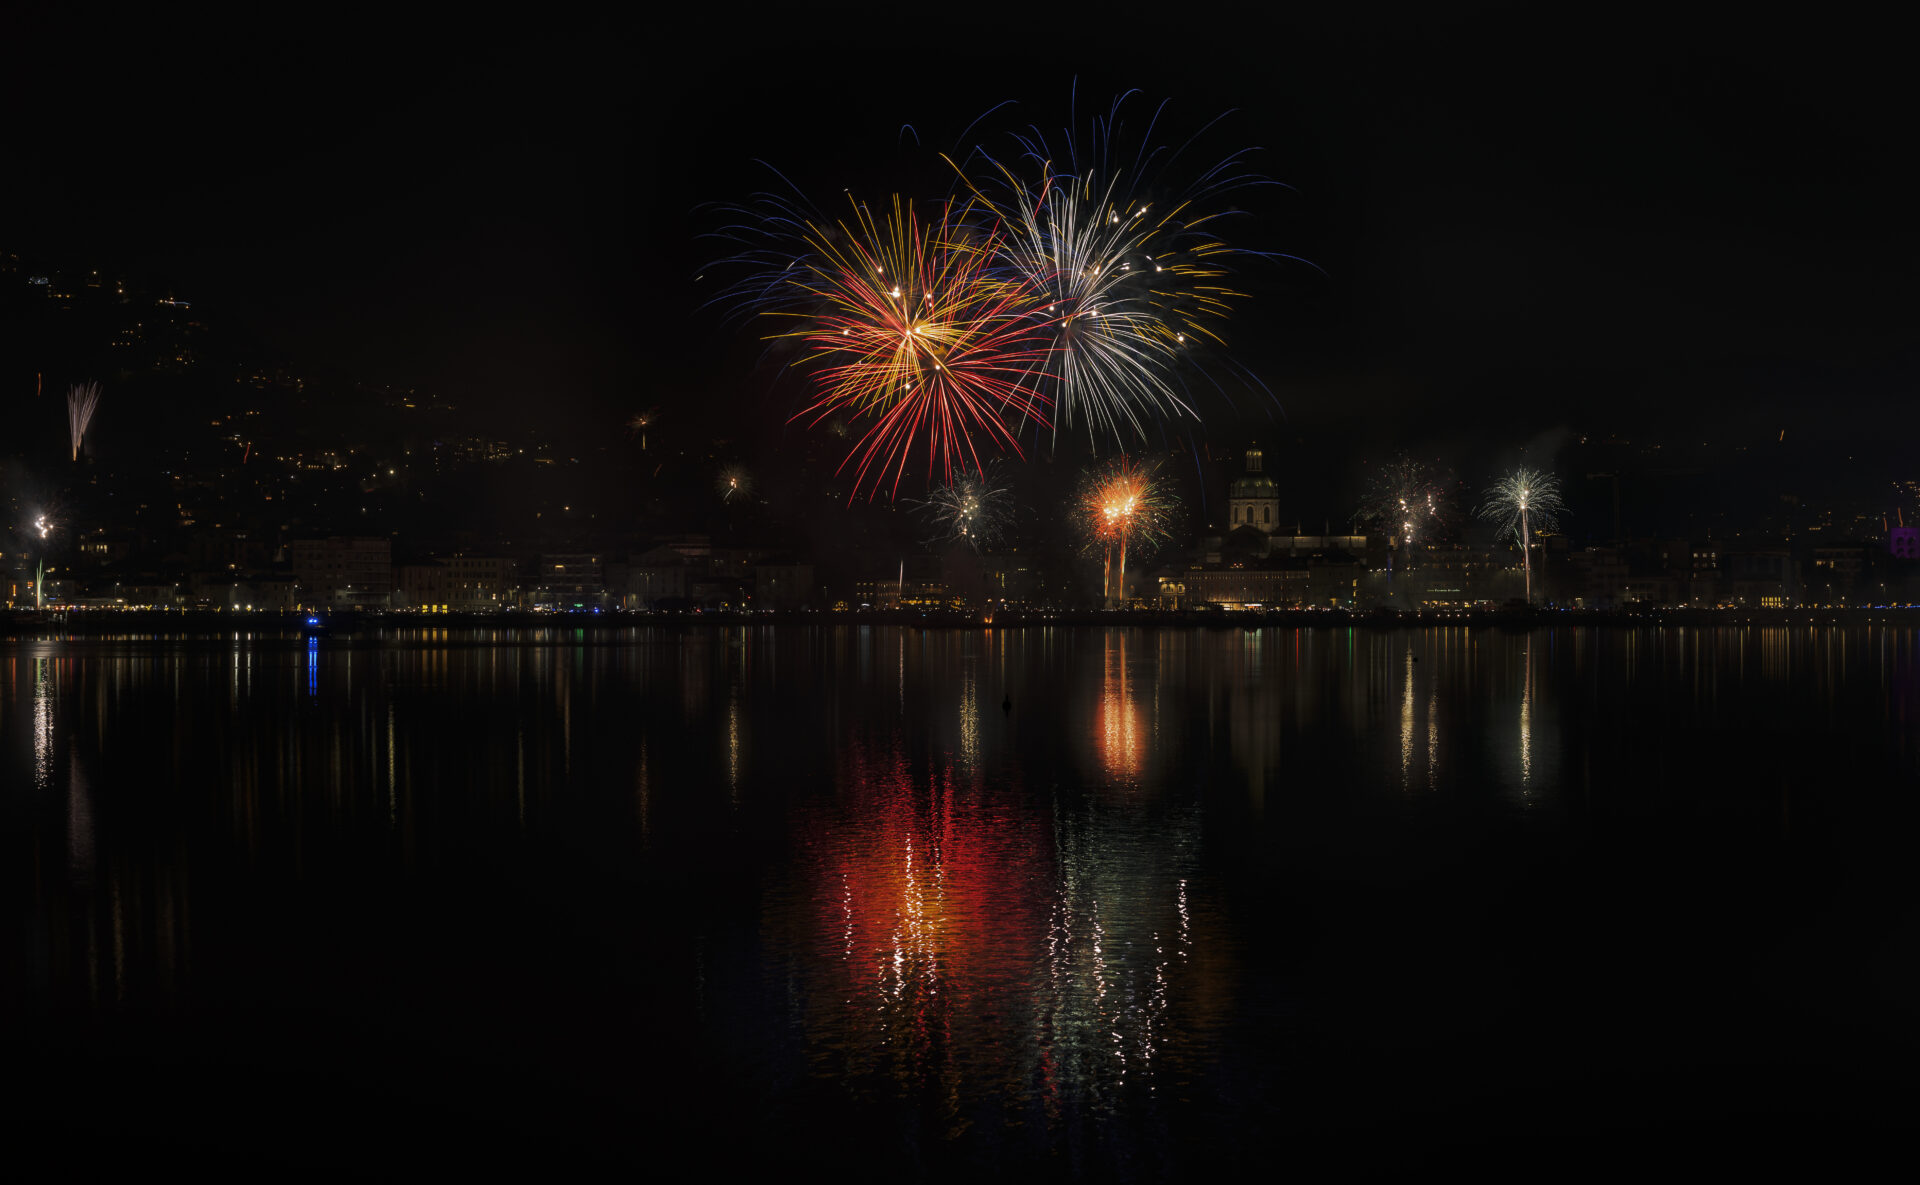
[100, 623]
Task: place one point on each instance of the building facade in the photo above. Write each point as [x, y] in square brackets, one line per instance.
[1253, 500]
[343, 572]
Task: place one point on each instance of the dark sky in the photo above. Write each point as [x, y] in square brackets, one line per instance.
[1522, 224]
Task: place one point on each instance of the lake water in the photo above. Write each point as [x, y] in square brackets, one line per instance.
[1113, 902]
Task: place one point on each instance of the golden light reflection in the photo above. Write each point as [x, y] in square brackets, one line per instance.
[733, 745]
[393, 786]
[1406, 724]
[1526, 717]
[1433, 739]
[1118, 729]
[969, 715]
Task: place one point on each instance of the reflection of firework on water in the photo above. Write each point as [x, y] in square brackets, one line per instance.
[1123, 281]
[1408, 501]
[733, 483]
[973, 509]
[1123, 506]
[1522, 502]
[82, 398]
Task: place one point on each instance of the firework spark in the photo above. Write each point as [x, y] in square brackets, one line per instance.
[1408, 501]
[919, 341]
[974, 509]
[1076, 283]
[638, 425]
[734, 483]
[49, 519]
[81, 401]
[1522, 502]
[1123, 505]
[1124, 282]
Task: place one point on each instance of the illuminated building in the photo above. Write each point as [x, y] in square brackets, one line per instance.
[1262, 585]
[1253, 500]
[568, 582]
[458, 583]
[343, 572]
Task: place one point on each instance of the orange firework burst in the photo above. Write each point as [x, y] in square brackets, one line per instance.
[922, 343]
[1123, 504]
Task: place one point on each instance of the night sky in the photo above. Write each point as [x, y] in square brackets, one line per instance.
[1522, 227]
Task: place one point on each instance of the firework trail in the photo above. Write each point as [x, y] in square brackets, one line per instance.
[1521, 502]
[81, 400]
[1123, 505]
[638, 425]
[974, 509]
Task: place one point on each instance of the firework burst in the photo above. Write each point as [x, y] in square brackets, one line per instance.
[1123, 506]
[733, 484]
[1522, 502]
[1408, 501]
[1124, 281]
[82, 398]
[1050, 288]
[918, 341]
[974, 509]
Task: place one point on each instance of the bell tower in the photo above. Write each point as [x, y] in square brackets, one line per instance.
[1253, 500]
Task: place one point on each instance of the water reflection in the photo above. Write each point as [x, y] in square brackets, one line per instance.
[989, 949]
[910, 894]
[1117, 727]
[1526, 716]
[393, 782]
[643, 794]
[42, 725]
[79, 824]
[915, 926]
[1433, 740]
[733, 745]
[1406, 724]
[969, 714]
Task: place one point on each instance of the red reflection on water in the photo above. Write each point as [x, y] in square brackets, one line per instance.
[929, 901]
